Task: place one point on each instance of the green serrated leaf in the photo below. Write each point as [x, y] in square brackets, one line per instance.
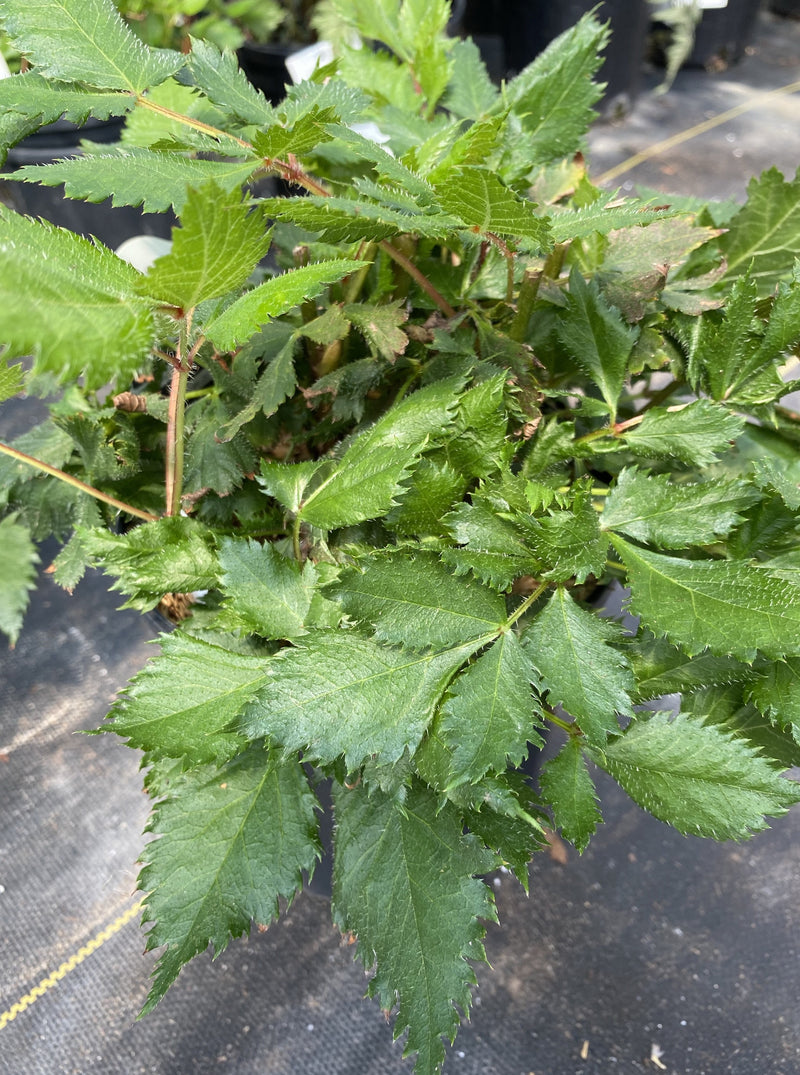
[580, 669]
[476, 196]
[276, 296]
[776, 692]
[183, 702]
[170, 555]
[86, 41]
[380, 326]
[70, 564]
[220, 240]
[218, 75]
[596, 337]
[70, 302]
[221, 860]
[414, 600]
[694, 434]
[433, 489]
[697, 778]
[470, 93]
[341, 220]
[635, 249]
[495, 552]
[552, 100]
[287, 482]
[762, 238]
[569, 789]
[17, 575]
[422, 921]
[725, 708]
[212, 462]
[33, 95]
[339, 694]
[266, 592]
[130, 175]
[656, 510]
[567, 542]
[489, 716]
[365, 481]
[661, 668]
[12, 380]
[726, 606]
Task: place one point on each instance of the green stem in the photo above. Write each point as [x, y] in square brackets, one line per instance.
[296, 540]
[54, 472]
[175, 428]
[526, 604]
[570, 729]
[195, 124]
[526, 300]
[419, 277]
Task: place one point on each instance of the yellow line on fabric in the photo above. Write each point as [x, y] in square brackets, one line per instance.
[68, 965]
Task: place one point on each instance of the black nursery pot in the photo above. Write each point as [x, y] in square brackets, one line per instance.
[265, 67]
[526, 27]
[789, 8]
[56, 141]
[723, 34]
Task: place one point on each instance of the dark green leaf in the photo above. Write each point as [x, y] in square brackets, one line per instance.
[416, 601]
[489, 715]
[731, 607]
[476, 196]
[596, 337]
[182, 704]
[697, 778]
[655, 509]
[694, 434]
[266, 592]
[661, 668]
[422, 921]
[582, 672]
[222, 860]
[339, 694]
[569, 789]
[171, 555]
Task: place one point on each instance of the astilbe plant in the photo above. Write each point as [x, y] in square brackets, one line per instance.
[395, 435]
